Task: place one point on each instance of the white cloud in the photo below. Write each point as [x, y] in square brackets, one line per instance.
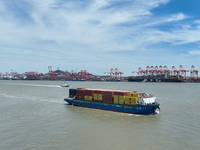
[177, 17]
[164, 20]
[86, 26]
[197, 21]
[89, 29]
[194, 52]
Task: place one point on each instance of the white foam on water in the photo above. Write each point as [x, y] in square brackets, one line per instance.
[136, 115]
[157, 111]
[37, 85]
[40, 85]
[4, 95]
[127, 114]
[24, 97]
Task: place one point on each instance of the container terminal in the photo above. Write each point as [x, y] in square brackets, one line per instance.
[163, 74]
[149, 74]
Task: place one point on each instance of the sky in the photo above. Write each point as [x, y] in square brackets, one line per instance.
[97, 35]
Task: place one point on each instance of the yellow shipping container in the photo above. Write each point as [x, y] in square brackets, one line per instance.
[119, 97]
[132, 95]
[87, 97]
[130, 102]
[133, 103]
[121, 102]
[116, 96]
[98, 95]
[131, 99]
[97, 98]
[115, 101]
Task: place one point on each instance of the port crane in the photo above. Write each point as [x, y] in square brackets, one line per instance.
[115, 74]
[154, 71]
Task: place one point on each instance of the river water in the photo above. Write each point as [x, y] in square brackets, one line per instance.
[34, 116]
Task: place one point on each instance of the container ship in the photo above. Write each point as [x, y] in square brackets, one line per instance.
[157, 78]
[114, 100]
[132, 79]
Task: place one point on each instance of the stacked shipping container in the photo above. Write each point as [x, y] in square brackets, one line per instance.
[108, 96]
[80, 93]
[119, 97]
[131, 98]
[88, 94]
[98, 95]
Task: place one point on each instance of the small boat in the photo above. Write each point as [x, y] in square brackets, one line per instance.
[65, 85]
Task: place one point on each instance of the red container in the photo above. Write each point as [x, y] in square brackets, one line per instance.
[107, 94]
[121, 93]
[98, 92]
[89, 92]
[107, 98]
[80, 97]
[80, 93]
[107, 101]
[98, 100]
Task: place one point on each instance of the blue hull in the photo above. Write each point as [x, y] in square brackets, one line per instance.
[137, 109]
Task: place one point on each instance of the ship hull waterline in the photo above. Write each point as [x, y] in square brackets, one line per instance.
[137, 109]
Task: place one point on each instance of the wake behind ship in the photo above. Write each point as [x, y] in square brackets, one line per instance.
[114, 100]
